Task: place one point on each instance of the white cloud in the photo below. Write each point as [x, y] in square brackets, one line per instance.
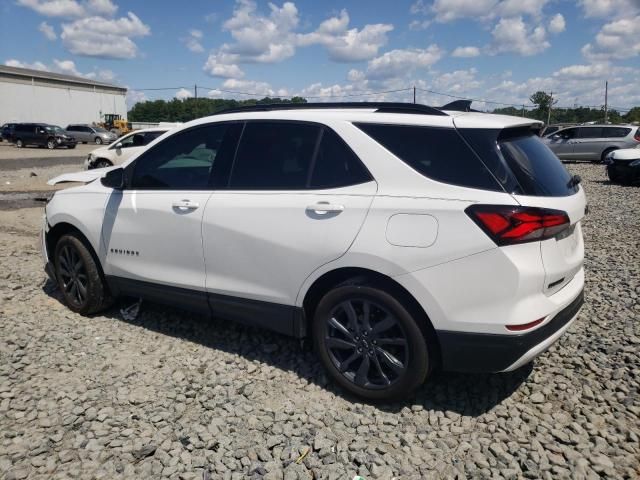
[12, 62]
[135, 96]
[221, 65]
[399, 62]
[67, 67]
[609, 8]
[193, 41]
[183, 94]
[466, 52]
[449, 10]
[247, 87]
[513, 8]
[594, 70]
[557, 23]
[457, 82]
[70, 8]
[444, 11]
[618, 39]
[512, 35]
[54, 8]
[48, 31]
[344, 44]
[104, 38]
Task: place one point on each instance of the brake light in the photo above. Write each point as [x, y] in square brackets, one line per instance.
[636, 136]
[508, 225]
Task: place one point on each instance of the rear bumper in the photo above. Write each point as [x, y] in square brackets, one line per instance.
[481, 352]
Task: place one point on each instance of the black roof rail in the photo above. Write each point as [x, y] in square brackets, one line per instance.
[459, 106]
[382, 107]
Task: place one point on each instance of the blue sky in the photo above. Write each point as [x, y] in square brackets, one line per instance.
[499, 50]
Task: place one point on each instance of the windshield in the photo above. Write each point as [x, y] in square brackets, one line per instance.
[99, 129]
[54, 129]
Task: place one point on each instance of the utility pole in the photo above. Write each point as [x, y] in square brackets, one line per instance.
[195, 105]
[523, 109]
[414, 94]
[550, 105]
[606, 95]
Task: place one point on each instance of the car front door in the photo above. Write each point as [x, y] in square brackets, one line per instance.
[296, 199]
[562, 143]
[152, 230]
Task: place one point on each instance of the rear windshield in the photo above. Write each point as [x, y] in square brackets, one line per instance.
[437, 153]
[521, 162]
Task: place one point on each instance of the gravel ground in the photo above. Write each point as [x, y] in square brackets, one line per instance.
[172, 395]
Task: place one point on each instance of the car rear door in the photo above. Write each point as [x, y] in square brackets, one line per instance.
[296, 199]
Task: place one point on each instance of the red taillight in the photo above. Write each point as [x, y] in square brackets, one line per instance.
[507, 225]
[636, 137]
[524, 326]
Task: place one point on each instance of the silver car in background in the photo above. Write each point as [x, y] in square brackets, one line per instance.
[592, 142]
[90, 134]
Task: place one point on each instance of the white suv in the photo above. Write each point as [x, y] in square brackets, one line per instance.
[398, 237]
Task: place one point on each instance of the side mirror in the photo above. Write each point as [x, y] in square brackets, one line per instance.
[114, 179]
[555, 136]
[41, 131]
[119, 146]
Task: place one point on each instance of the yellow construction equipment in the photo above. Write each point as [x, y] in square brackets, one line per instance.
[114, 123]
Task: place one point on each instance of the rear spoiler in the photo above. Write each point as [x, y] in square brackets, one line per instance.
[459, 106]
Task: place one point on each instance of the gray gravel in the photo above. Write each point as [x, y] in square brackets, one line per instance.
[171, 395]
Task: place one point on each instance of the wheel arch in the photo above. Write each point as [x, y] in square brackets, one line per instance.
[359, 275]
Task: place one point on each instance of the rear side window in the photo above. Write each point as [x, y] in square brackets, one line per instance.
[437, 153]
[615, 132]
[522, 163]
[590, 132]
[274, 156]
[336, 165]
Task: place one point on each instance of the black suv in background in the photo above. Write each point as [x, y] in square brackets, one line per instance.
[42, 135]
[6, 132]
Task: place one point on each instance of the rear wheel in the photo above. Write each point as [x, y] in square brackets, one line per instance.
[19, 143]
[78, 276]
[369, 343]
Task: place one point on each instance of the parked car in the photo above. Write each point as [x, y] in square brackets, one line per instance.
[42, 135]
[397, 240]
[123, 149]
[6, 132]
[90, 134]
[623, 166]
[592, 142]
[553, 128]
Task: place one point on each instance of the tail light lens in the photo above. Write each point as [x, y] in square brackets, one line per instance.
[636, 136]
[508, 225]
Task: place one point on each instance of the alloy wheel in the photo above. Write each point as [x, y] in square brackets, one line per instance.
[73, 274]
[366, 344]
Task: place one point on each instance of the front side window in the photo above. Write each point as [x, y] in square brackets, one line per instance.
[437, 153]
[181, 162]
[274, 156]
[133, 140]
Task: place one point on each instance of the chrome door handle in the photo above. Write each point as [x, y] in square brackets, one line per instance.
[326, 207]
[185, 204]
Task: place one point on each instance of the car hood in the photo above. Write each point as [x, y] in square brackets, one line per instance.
[625, 154]
[99, 151]
[85, 176]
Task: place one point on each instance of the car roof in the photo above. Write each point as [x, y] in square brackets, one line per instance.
[371, 115]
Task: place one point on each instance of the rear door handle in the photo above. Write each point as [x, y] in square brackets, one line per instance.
[185, 204]
[326, 207]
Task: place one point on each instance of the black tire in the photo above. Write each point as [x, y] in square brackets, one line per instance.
[605, 153]
[71, 147]
[98, 141]
[78, 276]
[347, 348]
[102, 163]
[19, 143]
[51, 143]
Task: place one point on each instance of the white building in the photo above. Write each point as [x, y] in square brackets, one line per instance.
[35, 96]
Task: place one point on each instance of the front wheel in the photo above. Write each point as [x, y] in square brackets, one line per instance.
[51, 144]
[78, 276]
[102, 164]
[98, 141]
[369, 343]
[19, 143]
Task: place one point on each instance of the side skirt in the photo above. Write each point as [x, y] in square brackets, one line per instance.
[286, 319]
